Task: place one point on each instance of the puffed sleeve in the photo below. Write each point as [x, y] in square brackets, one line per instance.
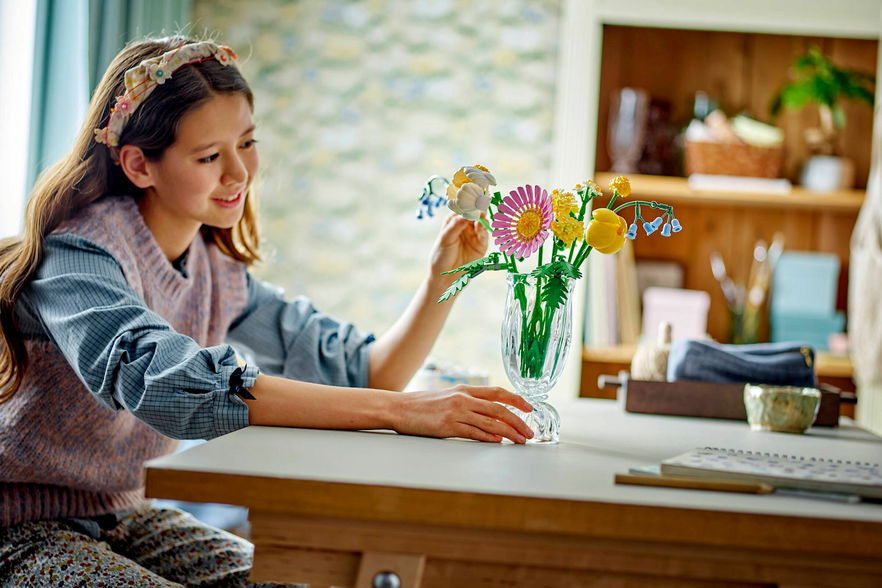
[127, 356]
[294, 340]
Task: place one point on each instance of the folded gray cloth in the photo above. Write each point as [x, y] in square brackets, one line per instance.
[784, 364]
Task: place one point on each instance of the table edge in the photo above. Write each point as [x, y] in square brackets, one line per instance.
[396, 504]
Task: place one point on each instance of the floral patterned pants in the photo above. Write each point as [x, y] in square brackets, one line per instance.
[146, 547]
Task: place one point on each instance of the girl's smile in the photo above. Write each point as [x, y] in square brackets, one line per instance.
[231, 202]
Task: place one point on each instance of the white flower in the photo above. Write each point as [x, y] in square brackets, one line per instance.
[467, 194]
[479, 175]
[157, 72]
[469, 200]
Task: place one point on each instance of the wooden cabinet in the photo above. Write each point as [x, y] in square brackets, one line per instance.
[731, 223]
[742, 71]
[740, 54]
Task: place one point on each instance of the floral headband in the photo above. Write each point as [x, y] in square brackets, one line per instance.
[143, 79]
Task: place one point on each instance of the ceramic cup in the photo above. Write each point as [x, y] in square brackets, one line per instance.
[786, 409]
[825, 173]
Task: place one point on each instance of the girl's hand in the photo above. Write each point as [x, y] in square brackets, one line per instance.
[459, 242]
[470, 412]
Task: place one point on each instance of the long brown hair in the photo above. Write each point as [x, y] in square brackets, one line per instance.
[88, 172]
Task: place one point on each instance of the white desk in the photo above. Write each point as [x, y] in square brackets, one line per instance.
[333, 508]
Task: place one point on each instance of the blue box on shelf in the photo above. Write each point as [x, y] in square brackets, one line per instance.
[814, 329]
[805, 283]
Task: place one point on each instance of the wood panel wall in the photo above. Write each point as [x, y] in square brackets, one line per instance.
[742, 71]
[733, 231]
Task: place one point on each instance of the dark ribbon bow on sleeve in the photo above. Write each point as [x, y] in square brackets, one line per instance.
[237, 384]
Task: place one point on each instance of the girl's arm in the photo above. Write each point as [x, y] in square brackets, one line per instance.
[463, 411]
[131, 358]
[471, 412]
[398, 354]
[126, 355]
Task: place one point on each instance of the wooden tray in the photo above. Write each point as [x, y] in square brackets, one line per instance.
[712, 400]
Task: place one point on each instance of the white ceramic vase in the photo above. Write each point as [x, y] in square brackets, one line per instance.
[826, 173]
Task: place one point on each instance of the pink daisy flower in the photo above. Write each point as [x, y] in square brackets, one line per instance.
[522, 220]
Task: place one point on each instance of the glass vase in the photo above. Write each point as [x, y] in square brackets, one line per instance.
[536, 335]
[629, 110]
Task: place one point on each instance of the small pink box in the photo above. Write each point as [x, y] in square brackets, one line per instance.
[686, 310]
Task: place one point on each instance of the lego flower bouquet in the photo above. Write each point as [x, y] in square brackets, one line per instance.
[557, 231]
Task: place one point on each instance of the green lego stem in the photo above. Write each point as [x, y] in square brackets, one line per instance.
[667, 208]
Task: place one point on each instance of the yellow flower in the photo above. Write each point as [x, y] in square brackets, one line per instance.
[563, 204]
[622, 185]
[568, 229]
[606, 232]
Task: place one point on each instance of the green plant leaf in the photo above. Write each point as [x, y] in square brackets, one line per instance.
[457, 286]
[543, 270]
[569, 270]
[825, 90]
[858, 86]
[797, 94]
[554, 293]
[816, 79]
[520, 292]
[561, 267]
[482, 264]
[804, 62]
[862, 94]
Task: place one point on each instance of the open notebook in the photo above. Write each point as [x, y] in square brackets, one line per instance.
[782, 471]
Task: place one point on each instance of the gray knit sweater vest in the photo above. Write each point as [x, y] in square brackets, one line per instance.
[64, 454]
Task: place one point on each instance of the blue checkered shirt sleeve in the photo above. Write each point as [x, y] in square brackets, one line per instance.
[126, 355]
[294, 340]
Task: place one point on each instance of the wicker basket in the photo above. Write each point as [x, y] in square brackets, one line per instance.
[731, 159]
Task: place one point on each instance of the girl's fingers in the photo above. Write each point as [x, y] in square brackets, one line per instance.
[454, 219]
[467, 431]
[480, 234]
[451, 230]
[469, 411]
[497, 394]
[497, 427]
[499, 413]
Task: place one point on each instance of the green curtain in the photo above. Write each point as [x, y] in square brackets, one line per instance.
[75, 40]
[60, 88]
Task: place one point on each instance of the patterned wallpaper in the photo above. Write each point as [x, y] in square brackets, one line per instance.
[357, 103]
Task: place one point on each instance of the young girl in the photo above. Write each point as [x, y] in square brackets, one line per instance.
[120, 304]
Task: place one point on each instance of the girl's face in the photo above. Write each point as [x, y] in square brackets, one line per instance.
[203, 176]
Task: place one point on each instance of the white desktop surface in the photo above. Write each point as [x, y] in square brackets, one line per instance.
[598, 440]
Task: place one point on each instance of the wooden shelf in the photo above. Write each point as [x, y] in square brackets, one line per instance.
[731, 224]
[741, 71]
[676, 190]
[826, 365]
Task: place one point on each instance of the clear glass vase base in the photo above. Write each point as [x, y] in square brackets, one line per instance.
[536, 335]
[544, 421]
